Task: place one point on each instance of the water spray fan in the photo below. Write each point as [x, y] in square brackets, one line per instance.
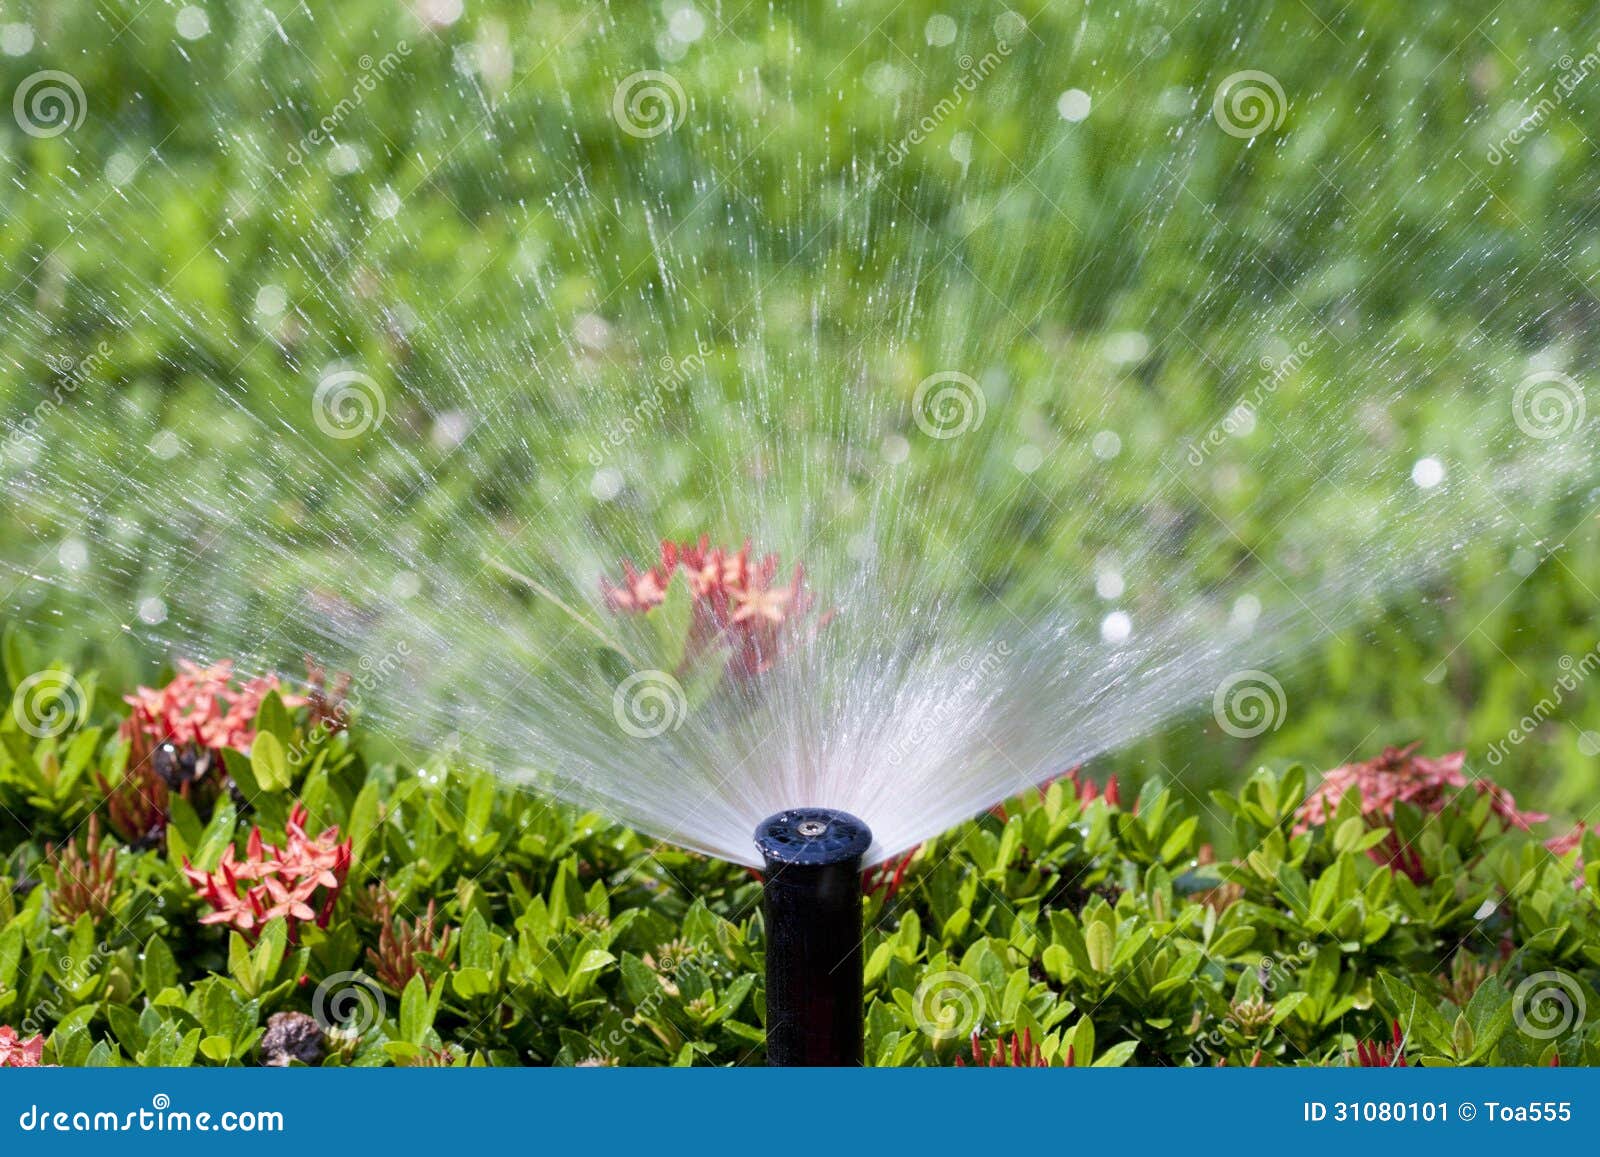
[812, 905]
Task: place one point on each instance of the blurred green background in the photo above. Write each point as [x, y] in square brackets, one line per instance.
[201, 247]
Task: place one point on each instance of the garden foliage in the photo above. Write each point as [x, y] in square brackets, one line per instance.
[291, 899]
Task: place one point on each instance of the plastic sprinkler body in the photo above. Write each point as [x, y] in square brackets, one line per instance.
[812, 905]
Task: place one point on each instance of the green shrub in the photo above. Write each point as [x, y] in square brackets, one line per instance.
[477, 925]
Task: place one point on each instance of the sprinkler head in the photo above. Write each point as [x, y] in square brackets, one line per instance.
[812, 905]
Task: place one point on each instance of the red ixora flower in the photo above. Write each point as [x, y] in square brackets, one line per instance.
[16, 1053]
[299, 881]
[201, 708]
[735, 599]
[1398, 776]
[1381, 1055]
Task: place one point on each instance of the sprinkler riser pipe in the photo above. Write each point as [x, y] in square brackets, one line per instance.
[812, 906]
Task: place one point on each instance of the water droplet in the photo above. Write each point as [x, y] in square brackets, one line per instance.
[939, 31]
[1106, 445]
[1073, 105]
[192, 22]
[606, 484]
[1116, 627]
[1428, 473]
[1027, 458]
[152, 611]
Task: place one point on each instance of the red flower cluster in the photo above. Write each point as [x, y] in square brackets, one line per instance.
[1401, 776]
[200, 708]
[1015, 1053]
[1379, 1055]
[287, 880]
[16, 1053]
[734, 599]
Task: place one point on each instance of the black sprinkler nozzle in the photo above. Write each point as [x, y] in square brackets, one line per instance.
[812, 905]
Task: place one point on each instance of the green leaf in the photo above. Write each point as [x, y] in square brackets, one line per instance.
[268, 761]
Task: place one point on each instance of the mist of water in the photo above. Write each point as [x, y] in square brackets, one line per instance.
[1067, 445]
